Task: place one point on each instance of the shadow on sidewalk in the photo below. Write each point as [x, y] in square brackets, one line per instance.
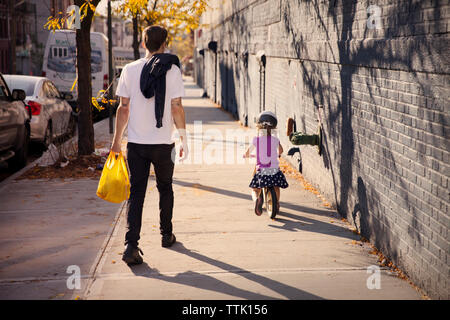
[206, 282]
[203, 187]
[299, 223]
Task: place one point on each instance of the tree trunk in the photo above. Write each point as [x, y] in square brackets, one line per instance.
[86, 144]
[136, 41]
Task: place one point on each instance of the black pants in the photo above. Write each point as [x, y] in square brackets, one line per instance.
[140, 157]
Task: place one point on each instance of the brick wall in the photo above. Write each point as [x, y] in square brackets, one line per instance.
[384, 87]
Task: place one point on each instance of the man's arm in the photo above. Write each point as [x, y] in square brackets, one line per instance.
[122, 114]
[179, 119]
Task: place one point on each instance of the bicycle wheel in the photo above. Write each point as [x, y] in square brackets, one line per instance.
[271, 203]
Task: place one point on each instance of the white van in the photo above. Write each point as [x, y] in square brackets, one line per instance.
[60, 61]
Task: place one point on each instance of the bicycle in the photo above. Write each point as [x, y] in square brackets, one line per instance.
[269, 201]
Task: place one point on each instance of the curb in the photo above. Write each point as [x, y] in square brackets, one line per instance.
[99, 259]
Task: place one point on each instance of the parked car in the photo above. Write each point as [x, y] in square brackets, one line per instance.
[52, 115]
[14, 126]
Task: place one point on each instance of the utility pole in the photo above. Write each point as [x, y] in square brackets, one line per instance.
[110, 66]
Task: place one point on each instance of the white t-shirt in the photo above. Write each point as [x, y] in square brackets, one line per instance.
[142, 122]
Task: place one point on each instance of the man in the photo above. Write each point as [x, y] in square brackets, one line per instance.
[150, 91]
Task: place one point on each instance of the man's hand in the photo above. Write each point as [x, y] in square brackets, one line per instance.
[184, 149]
[184, 152]
[116, 147]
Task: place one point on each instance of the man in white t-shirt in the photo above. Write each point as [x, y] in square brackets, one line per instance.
[150, 128]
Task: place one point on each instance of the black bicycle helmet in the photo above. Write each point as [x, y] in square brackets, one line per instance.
[268, 118]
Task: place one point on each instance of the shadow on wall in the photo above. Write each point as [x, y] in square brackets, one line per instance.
[340, 104]
[227, 91]
[230, 76]
[360, 214]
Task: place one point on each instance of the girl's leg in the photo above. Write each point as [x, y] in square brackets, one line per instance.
[277, 191]
[255, 193]
[258, 203]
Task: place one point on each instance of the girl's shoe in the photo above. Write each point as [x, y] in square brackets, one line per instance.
[258, 206]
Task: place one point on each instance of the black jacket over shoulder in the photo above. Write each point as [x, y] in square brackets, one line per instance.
[153, 81]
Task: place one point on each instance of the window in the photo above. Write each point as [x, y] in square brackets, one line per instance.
[47, 90]
[59, 52]
[25, 84]
[54, 91]
[3, 91]
[62, 59]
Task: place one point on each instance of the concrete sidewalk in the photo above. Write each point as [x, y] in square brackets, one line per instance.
[225, 251]
[47, 226]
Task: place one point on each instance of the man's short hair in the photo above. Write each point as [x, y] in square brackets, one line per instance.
[154, 37]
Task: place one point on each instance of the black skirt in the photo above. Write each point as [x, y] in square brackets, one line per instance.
[269, 178]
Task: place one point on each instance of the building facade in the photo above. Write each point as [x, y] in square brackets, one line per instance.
[22, 33]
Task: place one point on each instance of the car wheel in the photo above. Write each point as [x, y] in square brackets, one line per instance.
[48, 137]
[20, 159]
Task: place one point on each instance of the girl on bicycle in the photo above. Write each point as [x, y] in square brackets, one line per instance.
[268, 149]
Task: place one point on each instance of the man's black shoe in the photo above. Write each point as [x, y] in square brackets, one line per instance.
[131, 255]
[168, 240]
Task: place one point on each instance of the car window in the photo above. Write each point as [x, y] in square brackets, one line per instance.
[25, 84]
[49, 90]
[3, 91]
[46, 90]
[54, 90]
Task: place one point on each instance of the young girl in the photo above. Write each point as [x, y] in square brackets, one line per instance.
[268, 150]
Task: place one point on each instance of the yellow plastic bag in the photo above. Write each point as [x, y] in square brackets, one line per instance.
[114, 184]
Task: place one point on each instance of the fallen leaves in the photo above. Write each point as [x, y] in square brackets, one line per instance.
[77, 168]
[58, 295]
[383, 261]
[355, 243]
[287, 169]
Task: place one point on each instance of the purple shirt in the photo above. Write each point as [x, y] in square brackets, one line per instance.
[266, 151]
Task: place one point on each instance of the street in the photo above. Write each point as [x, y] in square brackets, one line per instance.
[35, 151]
